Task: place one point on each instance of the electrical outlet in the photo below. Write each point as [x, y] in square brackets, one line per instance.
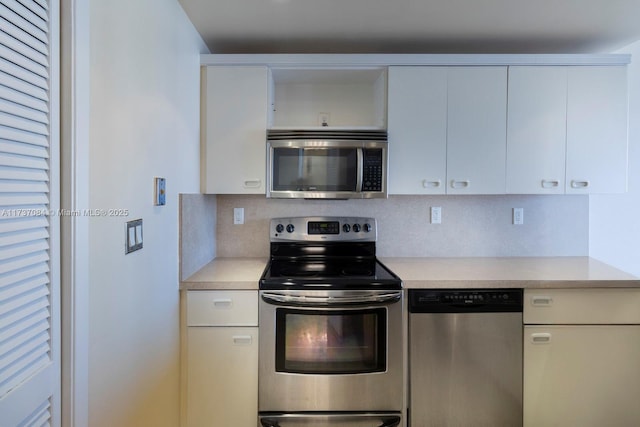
[518, 216]
[436, 215]
[238, 215]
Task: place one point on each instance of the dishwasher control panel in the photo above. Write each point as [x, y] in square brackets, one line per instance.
[465, 300]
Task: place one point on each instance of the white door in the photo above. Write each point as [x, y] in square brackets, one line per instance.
[597, 112]
[235, 123]
[536, 130]
[29, 241]
[476, 130]
[417, 124]
[581, 375]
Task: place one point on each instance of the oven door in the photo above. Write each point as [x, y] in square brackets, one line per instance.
[324, 420]
[330, 351]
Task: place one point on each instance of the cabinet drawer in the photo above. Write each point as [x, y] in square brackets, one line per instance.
[222, 308]
[581, 306]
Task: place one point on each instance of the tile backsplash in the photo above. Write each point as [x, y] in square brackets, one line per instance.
[471, 225]
[197, 232]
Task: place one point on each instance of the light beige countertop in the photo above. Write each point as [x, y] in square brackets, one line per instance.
[507, 272]
[227, 273]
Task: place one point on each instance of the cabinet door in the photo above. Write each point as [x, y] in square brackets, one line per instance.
[417, 125]
[597, 109]
[476, 130]
[582, 376]
[222, 376]
[536, 130]
[234, 127]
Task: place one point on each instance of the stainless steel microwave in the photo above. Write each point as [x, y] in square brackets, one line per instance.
[327, 164]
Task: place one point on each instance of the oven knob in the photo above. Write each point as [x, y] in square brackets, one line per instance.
[356, 228]
[279, 228]
[346, 228]
[367, 227]
[290, 228]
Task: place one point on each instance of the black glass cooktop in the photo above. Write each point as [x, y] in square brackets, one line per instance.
[335, 273]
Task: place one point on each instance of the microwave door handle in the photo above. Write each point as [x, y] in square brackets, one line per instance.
[360, 166]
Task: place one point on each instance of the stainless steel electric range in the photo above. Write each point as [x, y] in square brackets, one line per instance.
[331, 351]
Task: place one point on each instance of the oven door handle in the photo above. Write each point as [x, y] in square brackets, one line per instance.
[391, 422]
[385, 298]
[387, 421]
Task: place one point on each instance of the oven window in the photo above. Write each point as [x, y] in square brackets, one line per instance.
[331, 342]
[314, 169]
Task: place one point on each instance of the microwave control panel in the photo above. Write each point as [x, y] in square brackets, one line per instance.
[372, 170]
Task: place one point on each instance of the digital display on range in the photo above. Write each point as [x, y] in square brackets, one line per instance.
[323, 227]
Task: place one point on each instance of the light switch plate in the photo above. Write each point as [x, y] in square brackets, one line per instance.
[436, 215]
[133, 236]
[518, 216]
[160, 189]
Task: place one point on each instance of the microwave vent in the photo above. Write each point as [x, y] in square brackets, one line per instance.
[347, 135]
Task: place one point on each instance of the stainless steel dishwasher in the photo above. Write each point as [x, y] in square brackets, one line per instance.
[465, 358]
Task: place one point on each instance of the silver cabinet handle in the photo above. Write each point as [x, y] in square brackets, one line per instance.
[541, 301]
[550, 183]
[223, 303]
[465, 183]
[431, 184]
[541, 338]
[252, 183]
[242, 339]
[579, 183]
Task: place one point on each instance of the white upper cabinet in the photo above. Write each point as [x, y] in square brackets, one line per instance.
[597, 110]
[536, 130]
[234, 123]
[454, 128]
[417, 126]
[476, 130]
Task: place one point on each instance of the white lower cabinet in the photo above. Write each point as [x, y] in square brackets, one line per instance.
[581, 365]
[222, 359]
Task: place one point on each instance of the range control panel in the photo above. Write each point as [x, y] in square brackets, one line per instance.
[464, 300]
[325, 229]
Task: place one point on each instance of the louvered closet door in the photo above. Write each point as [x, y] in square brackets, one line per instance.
[29, 243]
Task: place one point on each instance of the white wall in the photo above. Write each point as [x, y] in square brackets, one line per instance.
[144, 122]
[614, 220]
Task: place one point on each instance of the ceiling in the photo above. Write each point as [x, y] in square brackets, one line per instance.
[415, 26]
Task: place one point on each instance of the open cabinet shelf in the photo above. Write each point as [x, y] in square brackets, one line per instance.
[328, 98]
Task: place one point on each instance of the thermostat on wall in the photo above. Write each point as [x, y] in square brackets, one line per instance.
[160, 196]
